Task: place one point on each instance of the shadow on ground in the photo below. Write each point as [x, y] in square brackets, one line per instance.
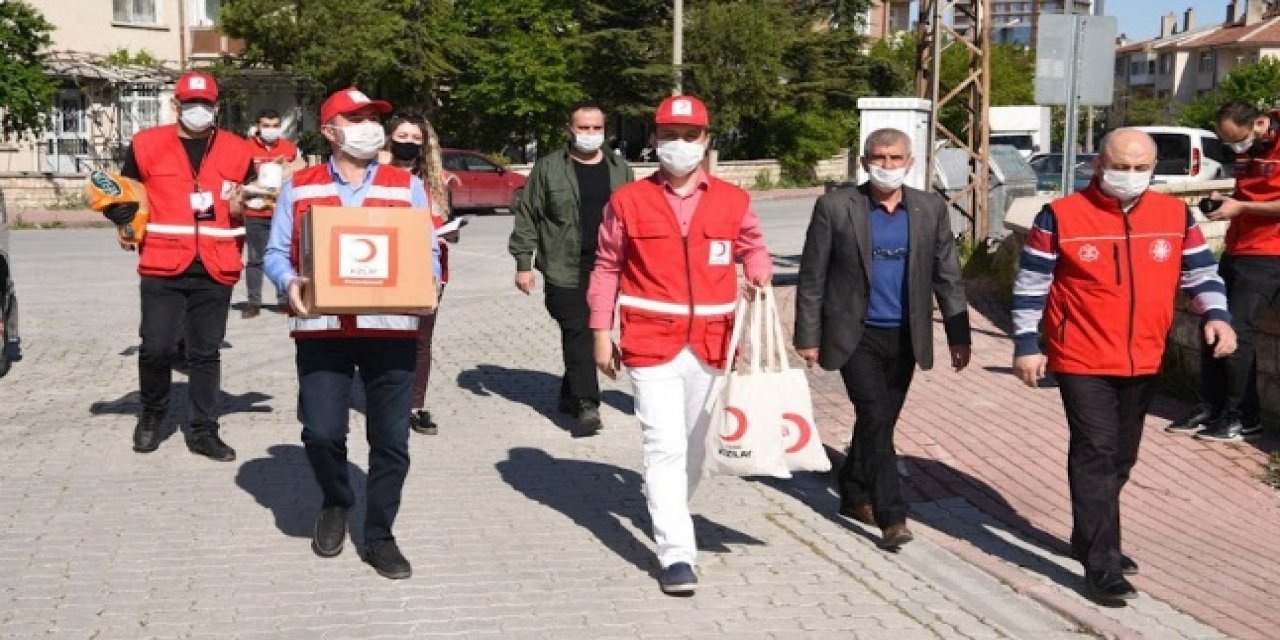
[130, 404]
[950, 501]
[597, 496]
[538, 390]
[283, 483]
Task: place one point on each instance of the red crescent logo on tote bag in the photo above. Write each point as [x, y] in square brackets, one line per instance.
[741, 429]
[806, 431]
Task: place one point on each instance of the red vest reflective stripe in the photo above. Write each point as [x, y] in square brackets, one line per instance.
[1111, 302]
[314, 186]
[678, 291]
[174, 238]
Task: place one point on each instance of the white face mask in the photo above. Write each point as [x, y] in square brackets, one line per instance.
[886, 179]
[362, 140]
[270, 134]
[680, 158]
[1124, 185]
[1242, 146]
[197, 116]
[588, 142]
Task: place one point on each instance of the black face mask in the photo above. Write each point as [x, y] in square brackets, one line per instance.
[405, 151]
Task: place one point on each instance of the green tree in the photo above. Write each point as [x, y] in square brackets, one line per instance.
[1257, 84]
[1140, 111]
[26, 93]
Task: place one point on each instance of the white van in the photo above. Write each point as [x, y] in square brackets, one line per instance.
[1184, 154]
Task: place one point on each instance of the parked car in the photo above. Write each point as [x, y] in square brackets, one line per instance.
[1184, 154]
[10, 345]
[479, 183]
[1048, 168]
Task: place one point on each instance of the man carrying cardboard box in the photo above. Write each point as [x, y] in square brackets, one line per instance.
[330, 348]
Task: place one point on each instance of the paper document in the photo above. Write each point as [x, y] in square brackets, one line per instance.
[453, 225]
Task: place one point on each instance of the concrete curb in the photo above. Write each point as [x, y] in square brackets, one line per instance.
[1088, 619]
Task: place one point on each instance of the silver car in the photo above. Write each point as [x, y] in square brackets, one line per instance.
[10, 344]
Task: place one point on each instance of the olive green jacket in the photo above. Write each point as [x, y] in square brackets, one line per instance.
[546, 234]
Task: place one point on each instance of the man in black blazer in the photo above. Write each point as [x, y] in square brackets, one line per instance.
[872, 255]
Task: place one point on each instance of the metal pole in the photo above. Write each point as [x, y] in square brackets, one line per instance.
[935, 109]
[677, 47]
[1069, 131]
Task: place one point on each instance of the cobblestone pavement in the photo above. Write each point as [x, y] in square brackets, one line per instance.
[515, 529]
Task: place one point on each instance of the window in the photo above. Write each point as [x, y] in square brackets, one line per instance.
[476, 163]
[1166, 63]
[136, 11]
[204, 13]
[1120, 66]
[1206, 62]
[139, 109]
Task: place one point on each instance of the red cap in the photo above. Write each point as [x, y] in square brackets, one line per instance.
[350, 100]
[681, 110]
[195, 85]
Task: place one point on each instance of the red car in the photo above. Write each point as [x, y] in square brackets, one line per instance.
[478, 183]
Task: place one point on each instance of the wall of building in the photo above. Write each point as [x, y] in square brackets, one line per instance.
[89, 25]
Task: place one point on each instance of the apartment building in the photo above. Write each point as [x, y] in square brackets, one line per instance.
[887, 17]
[1018, 21]
[102, 102]
[1187, 60]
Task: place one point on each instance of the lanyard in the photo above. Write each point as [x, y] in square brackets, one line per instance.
[204, 155]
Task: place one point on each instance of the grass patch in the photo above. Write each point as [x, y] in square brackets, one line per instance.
[1271, 472]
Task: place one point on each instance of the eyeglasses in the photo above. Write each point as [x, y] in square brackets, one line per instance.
[899, 253]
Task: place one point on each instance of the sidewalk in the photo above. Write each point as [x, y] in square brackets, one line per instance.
[986, 464]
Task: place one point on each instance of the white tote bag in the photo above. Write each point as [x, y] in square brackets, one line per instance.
[802, 444]
[739, 425]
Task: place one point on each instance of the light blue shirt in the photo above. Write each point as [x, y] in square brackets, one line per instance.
[275, 262]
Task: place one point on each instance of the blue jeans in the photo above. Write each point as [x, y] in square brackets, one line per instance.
[326, 368]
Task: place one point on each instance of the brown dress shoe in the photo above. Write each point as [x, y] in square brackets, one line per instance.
[895, 535]
[250, 311]
[860, 512]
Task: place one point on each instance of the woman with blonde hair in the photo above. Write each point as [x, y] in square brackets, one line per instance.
[412, 144]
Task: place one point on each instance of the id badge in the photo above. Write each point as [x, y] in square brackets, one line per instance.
[202, 205]
[721, 253]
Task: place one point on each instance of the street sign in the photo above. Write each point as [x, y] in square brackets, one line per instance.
[1089, 42]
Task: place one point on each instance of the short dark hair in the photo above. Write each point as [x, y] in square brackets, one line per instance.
[268, 113]
[1240, 113]
[584, 105]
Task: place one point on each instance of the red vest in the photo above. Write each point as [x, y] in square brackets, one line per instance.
[1111, 302]
[314, 186]
[283, 149]
[678, 291]
[1257, 180]
[174, 238]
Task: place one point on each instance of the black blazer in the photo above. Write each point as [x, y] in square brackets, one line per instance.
[834, 289]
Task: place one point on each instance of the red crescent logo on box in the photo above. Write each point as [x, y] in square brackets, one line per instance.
[373, 250]
[802, 425]
[741, 427]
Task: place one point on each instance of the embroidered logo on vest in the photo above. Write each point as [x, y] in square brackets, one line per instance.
[1160, 250]
[1088, 253]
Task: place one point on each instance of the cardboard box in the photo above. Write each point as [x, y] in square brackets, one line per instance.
[365, 260]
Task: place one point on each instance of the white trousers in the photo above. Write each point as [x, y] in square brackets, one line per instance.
[669, 399]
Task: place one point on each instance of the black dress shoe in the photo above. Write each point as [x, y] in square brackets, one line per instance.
[212, 447]
[1192, 422]
[421, 422]
[386, 559]
[589, 422]
[1108, 587]
[1127, 566]
[859, 511]
[330, 532]
[146, 436]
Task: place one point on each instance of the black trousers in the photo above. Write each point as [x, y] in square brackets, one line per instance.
[877, 378]
[326, 368]
[256, 233]
[1104, 414]
[191, 306]
[568, 306]
[1229, 386]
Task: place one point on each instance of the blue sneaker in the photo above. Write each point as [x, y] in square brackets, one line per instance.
[678, 579]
